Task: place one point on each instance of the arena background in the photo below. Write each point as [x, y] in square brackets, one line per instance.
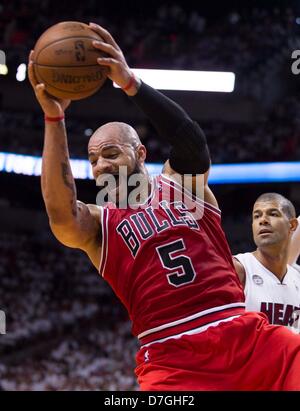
[64, 328]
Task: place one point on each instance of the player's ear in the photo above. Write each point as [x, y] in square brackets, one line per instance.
[293, 224]
[141, 153]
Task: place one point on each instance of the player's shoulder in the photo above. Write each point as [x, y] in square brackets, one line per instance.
[244, 263]
[109, 206]
[295, 269]
[243, 257]
[94, 208]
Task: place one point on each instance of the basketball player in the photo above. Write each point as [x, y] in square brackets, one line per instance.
[173, 272]
[271, 285]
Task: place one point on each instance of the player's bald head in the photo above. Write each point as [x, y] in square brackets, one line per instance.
[117, 132]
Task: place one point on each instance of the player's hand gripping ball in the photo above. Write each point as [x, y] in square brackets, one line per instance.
[66, 61]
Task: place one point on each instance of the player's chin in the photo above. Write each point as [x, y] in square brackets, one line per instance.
[266, 240]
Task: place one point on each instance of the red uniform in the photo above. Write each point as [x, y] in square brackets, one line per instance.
[173, 271]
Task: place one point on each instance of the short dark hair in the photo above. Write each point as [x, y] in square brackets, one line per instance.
[287, 206]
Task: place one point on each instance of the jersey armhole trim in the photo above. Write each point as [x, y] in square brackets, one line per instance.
[240, 260]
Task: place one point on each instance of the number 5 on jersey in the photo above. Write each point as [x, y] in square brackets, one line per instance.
[183, 270]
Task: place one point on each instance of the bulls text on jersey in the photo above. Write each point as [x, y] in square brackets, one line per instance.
[144, 224]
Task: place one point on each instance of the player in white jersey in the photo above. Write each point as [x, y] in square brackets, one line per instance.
[271, 285]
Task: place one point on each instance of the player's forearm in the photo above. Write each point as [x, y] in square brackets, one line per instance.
[164, 113]
[189, 153]
[58, 185]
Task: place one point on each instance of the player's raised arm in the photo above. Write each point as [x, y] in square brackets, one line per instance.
[73, 223]
[189, 154]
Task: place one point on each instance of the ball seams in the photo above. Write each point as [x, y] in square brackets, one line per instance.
[61, 39]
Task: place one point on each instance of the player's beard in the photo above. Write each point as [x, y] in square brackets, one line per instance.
[123, 188]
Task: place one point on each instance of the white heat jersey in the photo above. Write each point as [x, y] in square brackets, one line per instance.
[297, 267]
[265, 293]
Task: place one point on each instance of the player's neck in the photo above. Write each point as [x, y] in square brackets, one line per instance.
[274, 259]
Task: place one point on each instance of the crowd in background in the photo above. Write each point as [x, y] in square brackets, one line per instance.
[56, 302]
[91, 360]
[252, 44]
[61, 285]
[65, 330]
[273, 138]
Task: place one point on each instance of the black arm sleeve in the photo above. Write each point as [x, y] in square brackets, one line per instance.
[189, 154]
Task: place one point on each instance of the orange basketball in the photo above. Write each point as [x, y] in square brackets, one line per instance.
[66, 61]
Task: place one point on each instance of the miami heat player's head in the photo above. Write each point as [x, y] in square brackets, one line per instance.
[273, 220]
[115, 150]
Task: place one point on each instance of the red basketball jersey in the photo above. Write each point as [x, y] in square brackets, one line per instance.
[172, 270]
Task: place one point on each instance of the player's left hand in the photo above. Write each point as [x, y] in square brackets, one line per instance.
[119, 71]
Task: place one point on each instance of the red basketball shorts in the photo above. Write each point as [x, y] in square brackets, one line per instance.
[246, 353]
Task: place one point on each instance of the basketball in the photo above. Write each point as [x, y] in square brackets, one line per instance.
[66, 61]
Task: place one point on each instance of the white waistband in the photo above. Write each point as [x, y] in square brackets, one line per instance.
[191, 332]
[192, 317]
